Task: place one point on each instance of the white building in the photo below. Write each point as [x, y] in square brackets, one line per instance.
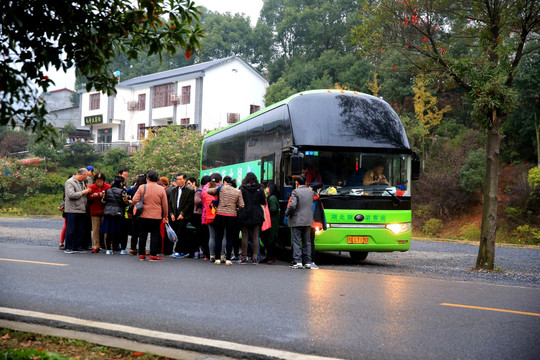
[204, 96]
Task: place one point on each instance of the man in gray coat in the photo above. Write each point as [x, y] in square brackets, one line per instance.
[75, 211]
[300, 218]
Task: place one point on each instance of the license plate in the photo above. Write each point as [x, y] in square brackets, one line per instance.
[357, 239]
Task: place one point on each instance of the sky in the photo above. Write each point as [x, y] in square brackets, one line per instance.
[251, 8]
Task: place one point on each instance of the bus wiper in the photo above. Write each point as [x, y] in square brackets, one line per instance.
[396, 203]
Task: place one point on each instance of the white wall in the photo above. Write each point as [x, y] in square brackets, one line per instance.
[228, 91]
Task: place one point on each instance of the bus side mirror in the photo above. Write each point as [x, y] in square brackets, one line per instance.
[296, 165]
[415, 167]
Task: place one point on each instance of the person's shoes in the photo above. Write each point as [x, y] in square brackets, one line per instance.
[212, 258]
[233, 258]
[124, 252]
[132, 252]
[155, 258]
[176, 255]
[217, 262]
[109, 252]
[196, 255]
[62, 247]
[228, 262]
[142, 257]
[206, 258]
[307, 266]
[243, 260]
[223, 258]
[79, 251]
[185, 256]
[264, 260]
[254, 261]
[314, 266]
[95, 251]
[296, 266]
[271, 261]
[68, 251]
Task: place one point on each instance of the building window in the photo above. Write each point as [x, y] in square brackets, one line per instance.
[161, 95]
[186, 94]
[254, 108]
[184, 121]
[142, 102]
[94, 101]
[141, 132]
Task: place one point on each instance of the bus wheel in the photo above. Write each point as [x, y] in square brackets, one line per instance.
[358, 255]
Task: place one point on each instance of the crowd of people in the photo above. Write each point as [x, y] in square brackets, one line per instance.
[215, 220]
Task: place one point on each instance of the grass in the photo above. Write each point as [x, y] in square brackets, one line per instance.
[23, 345]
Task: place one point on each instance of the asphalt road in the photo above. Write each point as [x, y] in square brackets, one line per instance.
[330, 313]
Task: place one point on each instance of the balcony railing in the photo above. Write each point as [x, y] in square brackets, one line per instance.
[130, 147]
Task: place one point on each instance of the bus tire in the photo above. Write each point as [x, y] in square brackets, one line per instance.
[358, 255]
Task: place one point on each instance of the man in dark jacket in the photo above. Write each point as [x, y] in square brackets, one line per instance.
[300, 219]
[180, 210]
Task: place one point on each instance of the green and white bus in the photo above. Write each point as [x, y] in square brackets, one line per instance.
[337, 135]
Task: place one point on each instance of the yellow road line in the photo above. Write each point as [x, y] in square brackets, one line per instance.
[491, 309]
[34, 262]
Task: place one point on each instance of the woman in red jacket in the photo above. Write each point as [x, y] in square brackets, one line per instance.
[97, 191]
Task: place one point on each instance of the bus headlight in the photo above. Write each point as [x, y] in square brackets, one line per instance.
[399, 228]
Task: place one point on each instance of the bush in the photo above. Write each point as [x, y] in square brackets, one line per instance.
[534, 178]
[473, 172]
[527, 234]
[18, 180]
[470, 232]
[79, 154]
[52, 184]
[170, 151]
[432, 227]
[116, 157]
[42, 204]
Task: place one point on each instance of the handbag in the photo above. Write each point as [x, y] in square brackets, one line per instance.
[139, 207]
[170, 233]
[267, 224]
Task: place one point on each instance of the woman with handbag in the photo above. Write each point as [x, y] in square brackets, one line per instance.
[155, 211]
[229, 200]
[97, 206]
[115, 204]
[135, 227]
[208, 213]
[269, 237]
[251, 216]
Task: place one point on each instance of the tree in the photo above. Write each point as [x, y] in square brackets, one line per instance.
[374, 86]
[425, 108]
[36, 35]
[171, 150]
[474, 44]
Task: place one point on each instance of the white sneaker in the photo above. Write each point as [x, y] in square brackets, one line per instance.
[124, 252]
[296, 266]
[109, 252]
[217, 262]
[314, 266]
[228, 262]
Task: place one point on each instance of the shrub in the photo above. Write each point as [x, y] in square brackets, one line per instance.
[42, 204]
[170, 151]
[18, 180]
[534, 178]
[52, 184]
[473, 172]
[527, 234]
[470, 232]
[432, 227]
[116, 157]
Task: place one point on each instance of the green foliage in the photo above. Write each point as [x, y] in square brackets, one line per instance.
[71, 33]
[432, 227]
[10, 211]
[24, 354]
[18, 180]
[52, 184]
[170, 151]
[470, 232]
[79, 154]
[527, 234]
[534, 178]
[116, 157]
[515, 214]
[473, 172]
[41, 204]
[278, 91]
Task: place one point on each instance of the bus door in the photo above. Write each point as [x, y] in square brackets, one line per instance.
[267, 168]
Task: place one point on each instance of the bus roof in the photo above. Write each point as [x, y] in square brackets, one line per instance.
[340, 118]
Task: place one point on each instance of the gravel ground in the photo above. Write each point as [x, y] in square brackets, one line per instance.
[431, 259]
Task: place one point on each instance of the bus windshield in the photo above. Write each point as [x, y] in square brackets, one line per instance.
[357, 173]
